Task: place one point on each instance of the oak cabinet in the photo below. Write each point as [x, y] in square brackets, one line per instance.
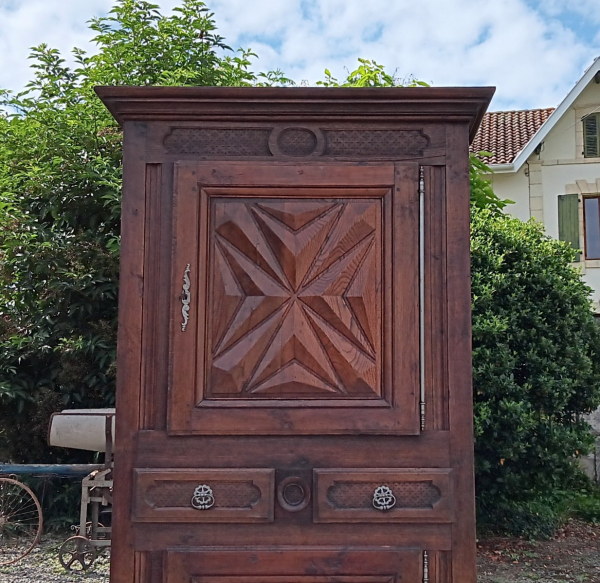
[294, 381]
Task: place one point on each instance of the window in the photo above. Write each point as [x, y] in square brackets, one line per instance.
[591, 215]
[591, 145]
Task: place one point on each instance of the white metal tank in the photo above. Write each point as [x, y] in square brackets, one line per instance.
[80, 428]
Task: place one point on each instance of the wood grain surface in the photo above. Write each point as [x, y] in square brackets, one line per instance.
[294, 374]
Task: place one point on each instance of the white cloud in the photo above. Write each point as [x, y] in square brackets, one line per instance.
[532, 58]
[525, 49]
[28, 23]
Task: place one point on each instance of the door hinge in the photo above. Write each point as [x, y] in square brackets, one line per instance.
[425, 567]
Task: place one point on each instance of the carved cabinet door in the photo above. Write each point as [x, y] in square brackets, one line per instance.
[294, 448]
[285, 281]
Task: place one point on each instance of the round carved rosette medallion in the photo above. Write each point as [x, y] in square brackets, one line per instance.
[296, 142]
[293, 494]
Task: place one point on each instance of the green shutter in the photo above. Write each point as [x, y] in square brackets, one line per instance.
[590, 136]
[568, 220]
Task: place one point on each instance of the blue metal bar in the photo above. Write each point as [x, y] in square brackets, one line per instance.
[49, 470]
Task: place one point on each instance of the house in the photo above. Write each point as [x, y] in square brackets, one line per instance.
[548, 162]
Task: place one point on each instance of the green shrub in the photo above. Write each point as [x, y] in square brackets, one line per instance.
[587, 507]
[542, 515]
[538, 518]
[584, 503]
[536, 370]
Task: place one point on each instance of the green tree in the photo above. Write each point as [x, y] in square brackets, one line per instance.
[370, 74]
[482, 193]
[60, 185]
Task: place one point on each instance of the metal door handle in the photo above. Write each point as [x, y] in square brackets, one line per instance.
[186, 297]
[383, 498]
[203, 497]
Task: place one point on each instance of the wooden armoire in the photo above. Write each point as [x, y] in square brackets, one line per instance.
[294, 371]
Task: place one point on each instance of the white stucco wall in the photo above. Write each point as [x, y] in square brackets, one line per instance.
[514, 186]
[560, 142]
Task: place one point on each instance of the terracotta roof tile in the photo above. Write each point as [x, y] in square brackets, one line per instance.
[506, 133]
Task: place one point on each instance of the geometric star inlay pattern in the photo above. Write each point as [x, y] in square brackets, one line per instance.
[294, 303]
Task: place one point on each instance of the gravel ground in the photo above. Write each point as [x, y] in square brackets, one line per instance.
[573, 555]
[42, 566]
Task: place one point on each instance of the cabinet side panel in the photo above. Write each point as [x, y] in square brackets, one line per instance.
[187, 289]
[459, 353]
[405, 244]
[439, 564]
[436, 315]
[157, 274]
[129, 348]
[152, 276]
[164, 297]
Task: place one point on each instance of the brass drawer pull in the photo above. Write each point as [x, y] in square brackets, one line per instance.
[383, 498]
[203, 498]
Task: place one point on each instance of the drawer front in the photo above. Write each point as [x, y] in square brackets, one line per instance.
[199, 495]
[314, 565]
[387, 495]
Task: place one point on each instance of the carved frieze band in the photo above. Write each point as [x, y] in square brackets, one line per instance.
[375, 143]
[296, 142]
[177, 494]
[218, 142]
[360, 494]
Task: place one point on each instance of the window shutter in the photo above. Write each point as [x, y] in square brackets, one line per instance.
[590, 136]
[568, 220]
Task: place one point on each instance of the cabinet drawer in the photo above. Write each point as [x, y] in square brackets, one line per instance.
[203, 495]
[285, 565]
[382, 495]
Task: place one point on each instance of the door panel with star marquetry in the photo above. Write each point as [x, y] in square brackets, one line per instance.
[298, 310]
[282, 293]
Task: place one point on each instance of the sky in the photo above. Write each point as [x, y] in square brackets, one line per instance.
[533, 51]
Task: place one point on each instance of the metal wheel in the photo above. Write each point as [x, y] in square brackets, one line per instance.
[20, 520]
[77, 554]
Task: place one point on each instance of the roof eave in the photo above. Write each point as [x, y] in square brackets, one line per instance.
[552, 120]
[503, 168]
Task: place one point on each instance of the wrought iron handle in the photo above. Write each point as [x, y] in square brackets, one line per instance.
[186, 297]
[383, 498]
[203, 497]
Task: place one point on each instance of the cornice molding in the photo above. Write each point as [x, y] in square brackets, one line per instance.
[424, 104]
